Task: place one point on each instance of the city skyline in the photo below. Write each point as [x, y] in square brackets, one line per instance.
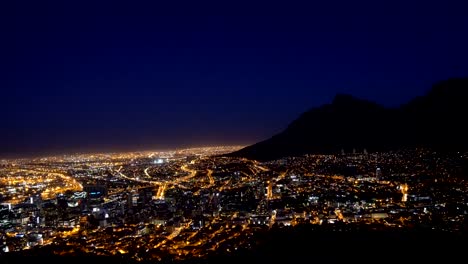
[182, 132]
[201, 205]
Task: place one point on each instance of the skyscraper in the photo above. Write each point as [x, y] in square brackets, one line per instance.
[378, 173]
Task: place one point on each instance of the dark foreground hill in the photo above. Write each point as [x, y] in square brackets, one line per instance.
[309, 244]
[436, 120]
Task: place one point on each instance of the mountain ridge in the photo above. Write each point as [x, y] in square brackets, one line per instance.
[435, 120]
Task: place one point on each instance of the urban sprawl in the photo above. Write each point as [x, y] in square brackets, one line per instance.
[191, 203]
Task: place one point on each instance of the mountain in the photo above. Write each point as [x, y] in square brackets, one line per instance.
[436, 120]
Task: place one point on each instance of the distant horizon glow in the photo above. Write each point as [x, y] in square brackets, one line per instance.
[107, 153]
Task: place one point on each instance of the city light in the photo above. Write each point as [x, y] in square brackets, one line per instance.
[197, 201]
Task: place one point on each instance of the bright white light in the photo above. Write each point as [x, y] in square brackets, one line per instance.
[159, 161]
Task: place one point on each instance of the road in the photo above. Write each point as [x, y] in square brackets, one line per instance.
[174, 234]
[210, 177]
[264, 169]
[404, 191]
[272, 219]
[162, 186]
[270, 190]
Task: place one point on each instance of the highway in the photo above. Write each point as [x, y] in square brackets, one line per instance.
[162, 186]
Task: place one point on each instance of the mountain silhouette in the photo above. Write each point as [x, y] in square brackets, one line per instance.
[436, 120]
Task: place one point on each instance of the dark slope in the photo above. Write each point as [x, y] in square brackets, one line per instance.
[305, 243]
[434, 120]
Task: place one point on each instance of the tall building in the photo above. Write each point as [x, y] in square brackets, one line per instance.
[95, 193]
[378, 173]
[145, 196]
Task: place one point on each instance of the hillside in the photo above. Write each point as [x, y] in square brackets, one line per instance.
[436, 120]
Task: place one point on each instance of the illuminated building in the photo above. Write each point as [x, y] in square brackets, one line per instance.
[95, 192]
[378, 173]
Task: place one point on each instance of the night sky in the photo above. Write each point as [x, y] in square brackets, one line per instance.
[105, 75]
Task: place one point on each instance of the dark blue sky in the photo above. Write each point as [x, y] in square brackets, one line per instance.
[117, 76]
